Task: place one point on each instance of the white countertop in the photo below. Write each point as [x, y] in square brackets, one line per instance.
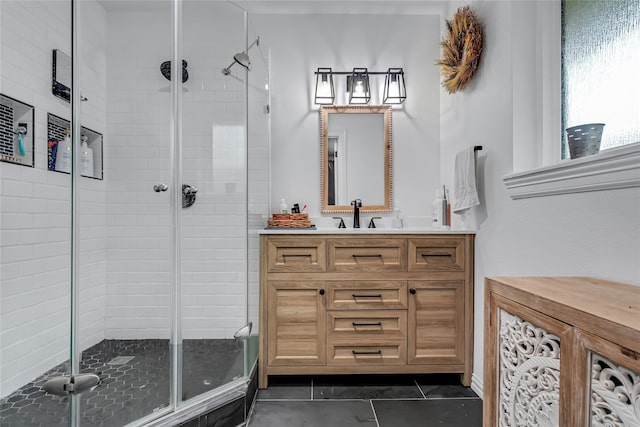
[333, 230]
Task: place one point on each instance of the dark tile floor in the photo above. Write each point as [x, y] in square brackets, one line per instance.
[366, 401]
[134, 382]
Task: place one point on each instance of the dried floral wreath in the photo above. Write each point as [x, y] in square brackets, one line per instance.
[461, 48]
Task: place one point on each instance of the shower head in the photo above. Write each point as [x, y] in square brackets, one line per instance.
[241, 58]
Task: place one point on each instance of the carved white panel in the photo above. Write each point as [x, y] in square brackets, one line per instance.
[615, 394]
[529, 374]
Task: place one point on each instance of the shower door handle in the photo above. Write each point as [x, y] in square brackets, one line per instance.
[74, 384]
[160, 187]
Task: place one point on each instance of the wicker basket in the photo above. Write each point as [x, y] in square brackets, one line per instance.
[297, 220]
[281, 217]
[584, 139]
[289, 224]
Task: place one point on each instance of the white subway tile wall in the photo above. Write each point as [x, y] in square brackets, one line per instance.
[124, 225]
[35, 203]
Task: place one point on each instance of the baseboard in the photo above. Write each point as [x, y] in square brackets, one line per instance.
[476, 385]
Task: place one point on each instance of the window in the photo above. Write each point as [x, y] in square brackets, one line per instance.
[600, 63]
[598, 83]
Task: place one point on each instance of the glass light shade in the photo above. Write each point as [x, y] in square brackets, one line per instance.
[325, 92]
[395, 91]
[358, 87]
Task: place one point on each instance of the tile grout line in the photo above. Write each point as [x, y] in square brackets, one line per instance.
[375, 416]
[419, 388]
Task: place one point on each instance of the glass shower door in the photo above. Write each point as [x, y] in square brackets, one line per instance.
[124, 210]
[213, 229]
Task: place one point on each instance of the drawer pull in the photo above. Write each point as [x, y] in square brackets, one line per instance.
[321, 291]
[356, 296]
[356, 324]
[412, 291]
[359, 353]
[430, 255]
[367, 256]
[296, 255]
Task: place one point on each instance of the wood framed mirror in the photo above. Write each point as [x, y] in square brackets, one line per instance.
[355, 143]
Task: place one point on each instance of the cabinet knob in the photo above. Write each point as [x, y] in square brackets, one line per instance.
[321, 291]
[412, 291]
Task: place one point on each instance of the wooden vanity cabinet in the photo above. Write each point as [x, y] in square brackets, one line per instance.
[296, 323]
[561, 351]
[375, 303]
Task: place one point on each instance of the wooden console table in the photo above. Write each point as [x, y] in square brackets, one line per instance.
[561, 351]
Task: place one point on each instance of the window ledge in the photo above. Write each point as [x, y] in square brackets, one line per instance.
[610, 169]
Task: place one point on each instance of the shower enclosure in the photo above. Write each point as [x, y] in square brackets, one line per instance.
[138, 265]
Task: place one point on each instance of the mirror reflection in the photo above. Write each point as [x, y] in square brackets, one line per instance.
[356, 147]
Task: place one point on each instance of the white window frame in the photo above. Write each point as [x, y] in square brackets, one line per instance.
[538, 168]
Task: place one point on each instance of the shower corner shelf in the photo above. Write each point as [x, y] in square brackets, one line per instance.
[56, 128]
[16, 147]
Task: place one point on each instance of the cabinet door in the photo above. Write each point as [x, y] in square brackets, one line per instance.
[436, 322]
[296, 323]
[612, 391]
[528, 370]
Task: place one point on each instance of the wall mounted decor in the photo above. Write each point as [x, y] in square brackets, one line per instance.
[16, 131]
[461, 49]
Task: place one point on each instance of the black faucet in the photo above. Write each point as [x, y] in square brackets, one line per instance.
[373, 224]
[357, 204]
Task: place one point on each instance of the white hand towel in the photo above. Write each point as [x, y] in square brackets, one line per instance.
[465, 192]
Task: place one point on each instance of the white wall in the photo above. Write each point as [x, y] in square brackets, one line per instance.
[34, 202]
[589, 234]
[302, 43]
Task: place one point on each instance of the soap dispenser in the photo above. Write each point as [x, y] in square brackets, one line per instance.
[86, 158]
[396, 221]
[437, 209]
[63, 157]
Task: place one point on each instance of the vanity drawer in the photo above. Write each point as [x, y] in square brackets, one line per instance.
[367, 324]
[437, 254]
[367, 255]
[367, 352]
[296, 255]
[368, 295]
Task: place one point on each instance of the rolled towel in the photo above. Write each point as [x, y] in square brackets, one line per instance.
[465, 191]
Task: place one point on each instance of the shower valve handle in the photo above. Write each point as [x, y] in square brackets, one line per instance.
[160, 187]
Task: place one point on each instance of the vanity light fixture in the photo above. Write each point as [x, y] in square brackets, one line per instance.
[325, 91]
[395, 91]
[359, 87]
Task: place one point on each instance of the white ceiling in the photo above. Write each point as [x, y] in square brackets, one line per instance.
[344, 7]
[341, 7]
